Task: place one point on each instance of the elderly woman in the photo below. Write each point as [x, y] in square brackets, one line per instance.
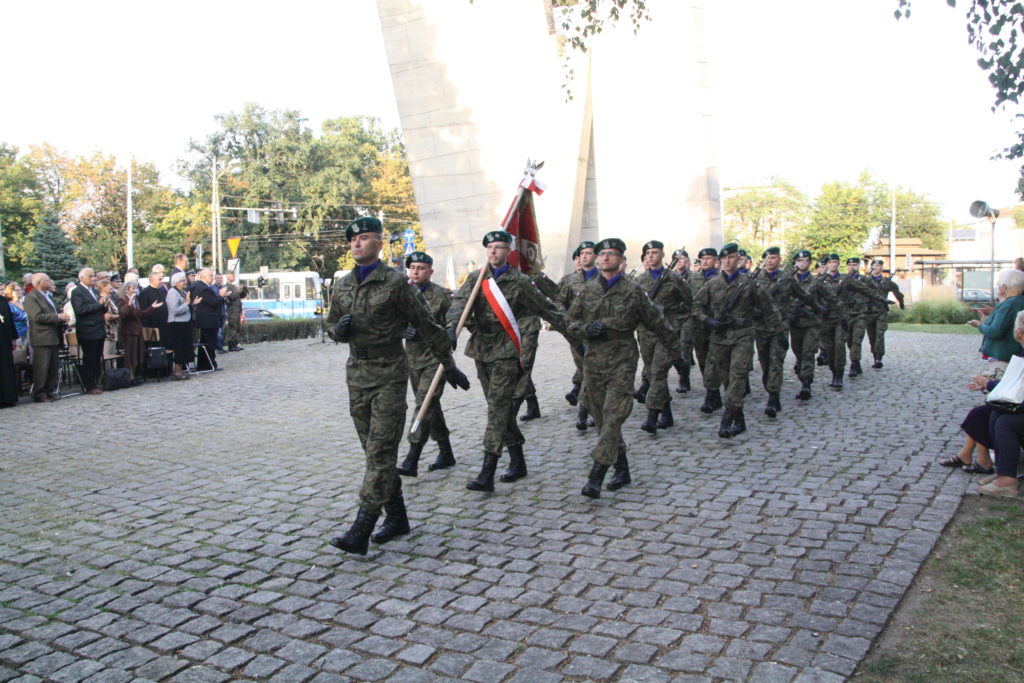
[179, 325]
[14, 294]
[131, 325]
[1006, 431]
[999, 343]
[111, 317]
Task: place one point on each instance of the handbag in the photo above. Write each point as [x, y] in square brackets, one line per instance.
[21, 352]
[1008, 395]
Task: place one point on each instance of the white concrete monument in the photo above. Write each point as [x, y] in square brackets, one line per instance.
[479, 88]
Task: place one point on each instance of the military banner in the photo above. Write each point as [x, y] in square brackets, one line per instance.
[521, 222]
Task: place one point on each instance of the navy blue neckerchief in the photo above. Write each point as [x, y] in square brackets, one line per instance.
[802, 277]
[656, 272]
[772, 274]
[498, 272]
[587, 274]
[363, 271]
[425, 287]
[708, 274]
[608, 283]
[730, 278]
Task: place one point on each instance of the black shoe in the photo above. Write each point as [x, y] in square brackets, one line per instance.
[665, 420]
[357, 538]
[445, 456]
[485, 480]
[746, 387]
[651, 425]
[837, 381]
[620, 475]
[712, 401]
[725, 427]
[855, 369]
[590, 422]
[573, 396]
[517, 465]
[592, 489]
[684, 381]
[822, 359]
[739, 423]
[805, 392]
[878, 362]
[581, 419]
[396, 521]
[410, 464]
[532, 409]
[769, 407]
[641, 394]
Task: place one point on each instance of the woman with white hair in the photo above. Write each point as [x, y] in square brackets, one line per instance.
[179, 328]
[999, 343]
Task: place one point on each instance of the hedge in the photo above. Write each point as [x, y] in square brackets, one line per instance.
[948, 312]
[279, 330]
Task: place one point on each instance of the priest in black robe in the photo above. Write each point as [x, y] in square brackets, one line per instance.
[8, 338]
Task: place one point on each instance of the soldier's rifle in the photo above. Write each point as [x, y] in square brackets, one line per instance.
[726, 315]
[661, 278]
[782, 280]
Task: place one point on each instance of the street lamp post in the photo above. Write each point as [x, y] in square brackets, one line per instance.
[980, 209]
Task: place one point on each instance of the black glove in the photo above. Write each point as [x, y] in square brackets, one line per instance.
[757, 313]
[823, 310]
[452, 337]
[411, 333]
[580, 349]
[457, 378]
[783, 340]
[343, 327]
[902, 306]
[713, 324]
[595, 330]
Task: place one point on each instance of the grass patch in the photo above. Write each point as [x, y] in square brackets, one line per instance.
[963, 618]
[939, 328]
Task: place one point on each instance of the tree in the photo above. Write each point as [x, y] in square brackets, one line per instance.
[759, 217]
[19, 209]
[917, 216]
[54, 254]
[843, 218]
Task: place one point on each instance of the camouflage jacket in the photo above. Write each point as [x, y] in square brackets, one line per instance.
[439, 299]
[857, 300]
[489, 342]
[382, 306]
[234, 298]
[851, 295]
[622, 308]
[530, 324]
[784, 291]
[674, 298]
[883, 286]
[806, 311]
[712, 300]
[571, 285]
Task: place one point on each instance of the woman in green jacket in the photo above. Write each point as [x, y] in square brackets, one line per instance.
[999, 343]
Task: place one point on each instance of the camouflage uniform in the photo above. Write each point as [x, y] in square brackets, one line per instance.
[568, 287]
[837, 323]
[234, 313]
[610, 363]
[773, 342]
[857, 304]
[701, 339]
[497, 362]
[382, 305]
[529, 327]
[675, 301]
[731, 350]
[876, 320]
[686, 330]
[423, 364]
[805, 323]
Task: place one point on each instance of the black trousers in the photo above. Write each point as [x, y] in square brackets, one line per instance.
[45, 362]
[92, 353]
[1006, 430]
[208, 338]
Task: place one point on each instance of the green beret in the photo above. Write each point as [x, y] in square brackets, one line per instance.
[803, 253]
[653, 244]
[363, 225]
[731, 248]
[611, 243]
[743, 253]
[771, 251]
[585, 244]
[832, 257]
[878, 262]
[418, 257]
[680, 253]
[852, 259]
[497, 236]
[707, 251]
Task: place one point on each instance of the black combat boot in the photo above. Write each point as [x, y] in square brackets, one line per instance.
[773, 396]
[620, 475]
[357, 538]
[581, 419]
[855, 369]
[725, 427]
[485, 480]
[878, 361]
[445, 456]
[396, 521]
[641, 393]
[822, 358]
[574, 394]
[683, 368]
[665, 420]
[592, 489]
[410, 464]
[739, 423]
[837, 380]
[517, 464]
[805, 392]
[532, 409]
[769, 406]
[746, 387]
[712, 401]
[233, 346]
[651, 425]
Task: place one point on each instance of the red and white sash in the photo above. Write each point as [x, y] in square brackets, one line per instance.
[501, 309]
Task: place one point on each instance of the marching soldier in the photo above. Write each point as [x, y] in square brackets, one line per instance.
[671, 295]
[568, 288]
[743, 265]
[857, 304]
[876, 321]
[726, 306]
[505, 296]
[234, 312]
[370, 310]
[772, 343]
[529, 326]
[805, 316]
[685, 361]
[422, 367]
[606, 313]
[708, 258]
[837, 324]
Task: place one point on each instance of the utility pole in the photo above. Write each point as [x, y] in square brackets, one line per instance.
[130, 256]
[214, 216]
[892, 237]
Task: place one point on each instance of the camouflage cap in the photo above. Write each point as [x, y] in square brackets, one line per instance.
[611, 243]
[363, 225]
[418, 257]
[497, 236]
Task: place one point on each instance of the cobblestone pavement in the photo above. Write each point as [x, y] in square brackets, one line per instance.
[178, 532]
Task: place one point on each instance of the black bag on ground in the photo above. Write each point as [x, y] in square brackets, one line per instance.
[117, 378]
[156, 358]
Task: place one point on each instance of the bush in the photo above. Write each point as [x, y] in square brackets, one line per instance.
[279, 330]
[948, 312]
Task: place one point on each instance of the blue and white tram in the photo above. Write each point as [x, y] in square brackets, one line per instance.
[286, 294]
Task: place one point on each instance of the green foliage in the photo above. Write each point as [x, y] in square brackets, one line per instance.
[759, 217]
[280, 330]
[948, 312]
[843, 217]
[917, 216]
[54, 254]
[19, 209]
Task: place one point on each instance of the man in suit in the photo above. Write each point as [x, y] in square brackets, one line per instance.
[207, 301]
[180, 263]
[44, 327]
[90, 310]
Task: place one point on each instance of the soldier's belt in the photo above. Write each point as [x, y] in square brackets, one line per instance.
[613, 335]
[389, 350]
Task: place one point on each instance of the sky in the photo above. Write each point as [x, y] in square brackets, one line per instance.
[808, 90]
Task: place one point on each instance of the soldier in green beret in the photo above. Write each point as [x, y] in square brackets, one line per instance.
[857, 305]
[605, 315]
[529, 326]
[685, 360]
[422, 368]
[877, 319]
[371, 308]
[837, 323]
[568, 287]
[805, 315]
[708, 260]
[772, 343]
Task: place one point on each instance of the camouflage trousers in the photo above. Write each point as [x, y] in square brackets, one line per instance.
[433, 424]
[610, 401]
[730, 365]
[657, 359]
[855, 339]
[577, 359]
[771, 354]
[876, 324]
[700, 343]
[833, 340]
[498, 380]
[232, 329]
[686, 341]
[379, 416]
[804, 342]
[527, 356]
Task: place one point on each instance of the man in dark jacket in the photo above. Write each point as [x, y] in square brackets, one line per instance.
[152, 310]
[90, 328]
[207, 302]
[44, 327]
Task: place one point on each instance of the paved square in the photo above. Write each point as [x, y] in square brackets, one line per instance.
[178, 532]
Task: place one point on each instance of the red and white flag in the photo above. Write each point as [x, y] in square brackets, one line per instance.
[499, 304]
[521, 222]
